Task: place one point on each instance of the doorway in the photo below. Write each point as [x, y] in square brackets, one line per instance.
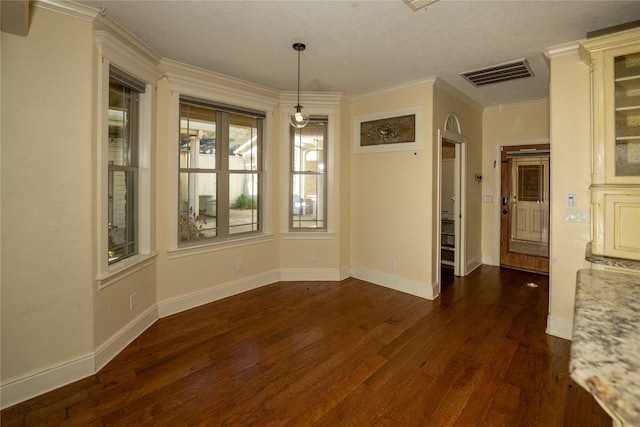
[451, 215]
[524, 207]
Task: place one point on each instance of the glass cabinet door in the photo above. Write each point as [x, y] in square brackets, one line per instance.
[627, 114]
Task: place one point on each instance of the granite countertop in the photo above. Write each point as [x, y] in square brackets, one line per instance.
[611, 261]
[605, 351]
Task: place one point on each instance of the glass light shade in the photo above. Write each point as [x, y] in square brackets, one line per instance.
[298, 117]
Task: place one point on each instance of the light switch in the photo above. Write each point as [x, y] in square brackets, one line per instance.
[571, 200]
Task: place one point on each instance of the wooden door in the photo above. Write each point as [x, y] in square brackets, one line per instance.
[524, 208]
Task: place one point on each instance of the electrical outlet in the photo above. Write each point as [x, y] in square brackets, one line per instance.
[133, 301]
[240, 265]
[312, 256]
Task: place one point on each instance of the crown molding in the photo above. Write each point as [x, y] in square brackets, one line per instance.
[415, 84]
[446, 87]
[76, 10]
[311, 99]
[199, 82]
[525, 104]
[561, 49]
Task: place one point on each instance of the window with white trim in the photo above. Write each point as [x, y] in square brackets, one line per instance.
[220, 171]
[123, 174]
[308, 201]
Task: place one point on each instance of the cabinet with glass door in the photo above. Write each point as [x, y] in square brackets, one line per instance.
[615, 186]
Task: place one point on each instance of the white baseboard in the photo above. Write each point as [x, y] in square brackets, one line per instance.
[473, 264]
[21, 389]
[490, 260]
[423, 290]
[32, 385]
[560, 328]
[319, 274]
[345, 273]
[114, 345]
[215, 293]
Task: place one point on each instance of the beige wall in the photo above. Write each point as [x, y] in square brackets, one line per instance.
[47, 195]
[391, 197]
[470, 117]
[571, 174]
[511, 125]
[55, 316]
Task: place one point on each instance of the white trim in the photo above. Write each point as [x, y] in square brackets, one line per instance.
[124, 268]
[219, 245]
[490, 260]
[309, 274]
[473, 264]
[416, 84]
[214, 293]
[31, 385]
[125, 336]
[423, 290]
[561, 49]
[69, 8]
[204, 84]
[416, 144]
[561, 328]
[524, 104]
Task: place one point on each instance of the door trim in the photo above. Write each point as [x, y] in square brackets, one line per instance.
[508, 259]
[459, 206]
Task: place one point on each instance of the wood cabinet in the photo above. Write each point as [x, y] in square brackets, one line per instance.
[615, 180]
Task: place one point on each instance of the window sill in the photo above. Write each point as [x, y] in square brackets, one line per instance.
[125, 268]
[220, 245]
[308, 235]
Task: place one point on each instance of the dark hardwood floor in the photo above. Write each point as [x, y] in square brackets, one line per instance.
[339, 354]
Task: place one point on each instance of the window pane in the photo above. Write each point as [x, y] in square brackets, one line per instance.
[197, 218]
[308, 201]
[243, 200]
[308, 151]
[121, 214]
[121, 126]
[197, 137]
[243, 142]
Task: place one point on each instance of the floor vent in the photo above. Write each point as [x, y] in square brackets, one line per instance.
[499, 73]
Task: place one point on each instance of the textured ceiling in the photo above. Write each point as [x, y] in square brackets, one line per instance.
[361, 46]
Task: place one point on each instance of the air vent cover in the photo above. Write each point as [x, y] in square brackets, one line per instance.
[418, 4]
[499, 73]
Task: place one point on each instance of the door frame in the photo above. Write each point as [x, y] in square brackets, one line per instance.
[460, 205]
[530, 144]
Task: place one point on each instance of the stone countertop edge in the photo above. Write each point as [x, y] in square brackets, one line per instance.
[605, 350]
[611, 261]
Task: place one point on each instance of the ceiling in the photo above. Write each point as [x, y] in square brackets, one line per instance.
[357, 47]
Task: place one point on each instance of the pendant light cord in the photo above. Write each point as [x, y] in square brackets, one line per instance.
[298, 78]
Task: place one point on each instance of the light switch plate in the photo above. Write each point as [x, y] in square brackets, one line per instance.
[578, 215]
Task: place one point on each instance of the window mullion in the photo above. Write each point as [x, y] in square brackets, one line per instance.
[222, 151]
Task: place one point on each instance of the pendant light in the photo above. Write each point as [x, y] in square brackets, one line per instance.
[298, 117]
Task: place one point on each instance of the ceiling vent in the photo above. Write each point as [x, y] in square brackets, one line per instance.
[418, 4]
[499, 73]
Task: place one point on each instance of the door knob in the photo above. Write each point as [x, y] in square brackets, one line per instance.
[504, 211]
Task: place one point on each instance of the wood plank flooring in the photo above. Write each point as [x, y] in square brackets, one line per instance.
[339, 354]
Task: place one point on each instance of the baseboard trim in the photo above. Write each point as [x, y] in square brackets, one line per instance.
[560, 328]
[423, 290]
[319, 274]
[24, 388]
[114, 345]
[490, 260]
[473, 264]
[215, 293]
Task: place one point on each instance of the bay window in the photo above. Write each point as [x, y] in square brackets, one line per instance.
[220, 171]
